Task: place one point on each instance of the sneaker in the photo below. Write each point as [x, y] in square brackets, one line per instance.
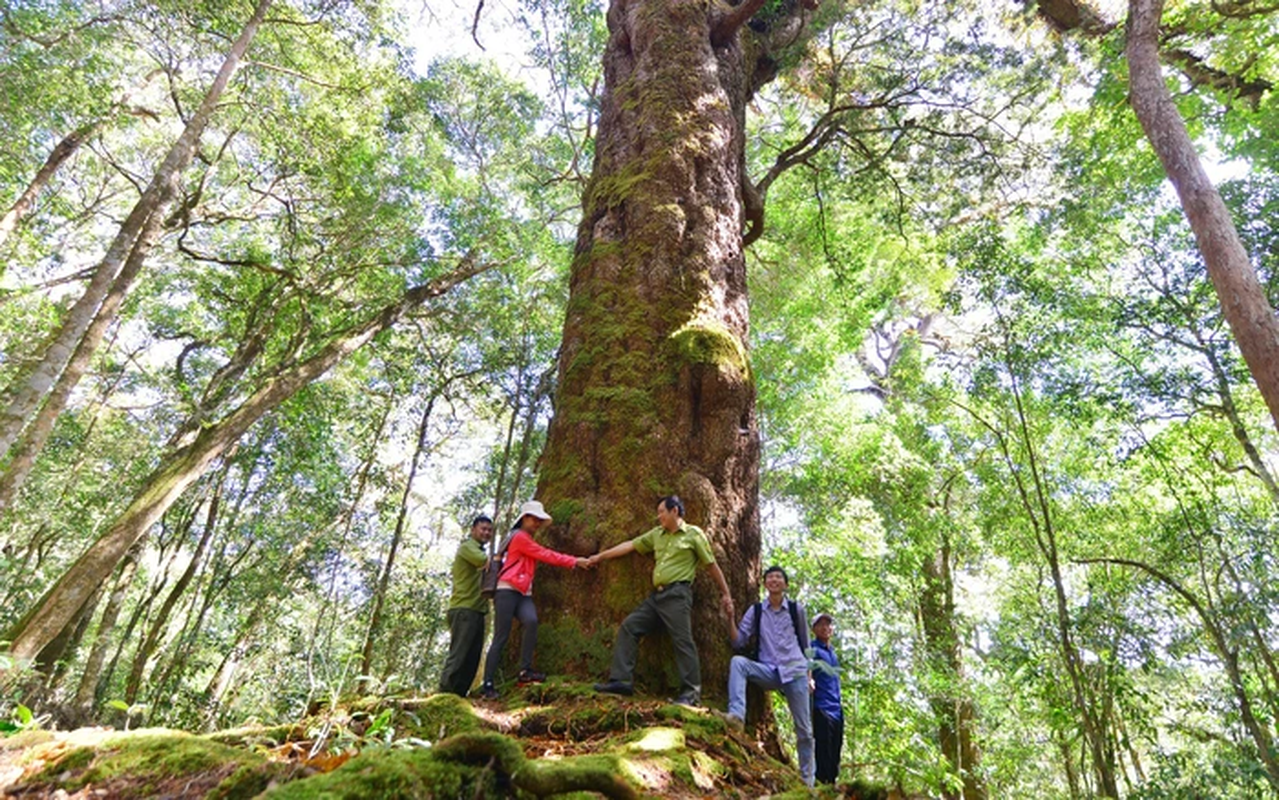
[732, 721]
[688, 699]
[528, 676]
[615, 687]
[487, 691]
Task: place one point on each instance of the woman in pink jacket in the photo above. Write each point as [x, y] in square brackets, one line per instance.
[514, 597]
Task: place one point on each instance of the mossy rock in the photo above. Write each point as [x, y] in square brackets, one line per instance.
[258, 735]
[393, 775]
[156, 764]
[436, 717]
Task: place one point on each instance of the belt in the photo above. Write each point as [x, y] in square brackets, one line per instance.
[663, 587]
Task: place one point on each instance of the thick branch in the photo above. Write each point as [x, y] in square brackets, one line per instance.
[1201, 74]
[725, 26]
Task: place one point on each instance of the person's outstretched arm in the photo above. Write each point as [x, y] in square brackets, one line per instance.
[616, 551]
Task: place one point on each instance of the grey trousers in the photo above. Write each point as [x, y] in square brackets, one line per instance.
[466, 645]
[670, 609]
[508, 606]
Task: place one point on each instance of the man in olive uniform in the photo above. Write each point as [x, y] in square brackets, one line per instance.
[466, 611]
[678, 550]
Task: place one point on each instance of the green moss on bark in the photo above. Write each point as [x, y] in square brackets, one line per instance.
[711, 344]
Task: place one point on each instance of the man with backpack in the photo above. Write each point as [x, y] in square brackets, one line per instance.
[466, 611]
[773, 634]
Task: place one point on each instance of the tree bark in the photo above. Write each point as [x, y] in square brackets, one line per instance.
[1243, 300]
[655, 391]
[166, 484]
[28, 394]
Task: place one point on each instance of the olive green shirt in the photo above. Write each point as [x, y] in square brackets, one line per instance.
[678, 553]
[466, 576]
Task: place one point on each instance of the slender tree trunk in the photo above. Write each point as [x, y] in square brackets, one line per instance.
[956, 716]
[139, 616]
[161, 620]
[499, 490]
[27, 200]
[1239, 429]
[1229, 656]
[37, 432]
[655, 392]
[327, 610]
[166, 485]
[86, 693]
[1243, 300]
[384, 581]
[61, 152]
[1035, 501]
[26, 397]
[525, 450]
[247, 635]
[1068, 765]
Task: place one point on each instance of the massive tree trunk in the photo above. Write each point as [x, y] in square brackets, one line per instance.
[1243, 300]
[68, 596]
[655, 392]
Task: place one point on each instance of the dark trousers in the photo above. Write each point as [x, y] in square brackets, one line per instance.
[828, 732]
[466, 645]
[670, 609]
[509, 605]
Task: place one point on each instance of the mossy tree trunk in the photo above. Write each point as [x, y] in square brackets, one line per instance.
[655, 393]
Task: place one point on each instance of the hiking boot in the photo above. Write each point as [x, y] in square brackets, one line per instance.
[528, 676]
[689, 699]
[615, 687]
[487, 691]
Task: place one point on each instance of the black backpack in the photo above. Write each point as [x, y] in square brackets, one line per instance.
[751, 648]
[491, 571]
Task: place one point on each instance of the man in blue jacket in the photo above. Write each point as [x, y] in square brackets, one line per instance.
[828, 713]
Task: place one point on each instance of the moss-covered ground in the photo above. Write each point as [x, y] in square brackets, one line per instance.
[557, 739]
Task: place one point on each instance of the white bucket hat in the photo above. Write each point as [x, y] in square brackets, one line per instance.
[534, 508]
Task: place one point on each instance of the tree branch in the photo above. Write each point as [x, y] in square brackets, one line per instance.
[724, 26]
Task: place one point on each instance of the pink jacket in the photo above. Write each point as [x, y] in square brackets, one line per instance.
[522, 555]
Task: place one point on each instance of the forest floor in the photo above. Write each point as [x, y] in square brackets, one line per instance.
[553, 739]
